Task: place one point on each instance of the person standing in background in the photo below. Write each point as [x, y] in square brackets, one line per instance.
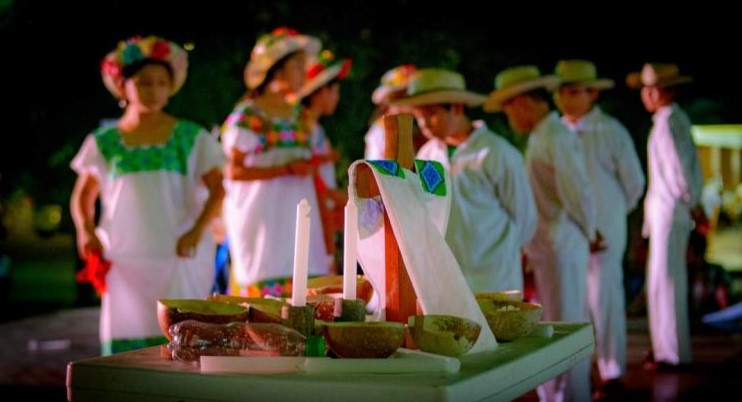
[393, 86]
[566, 231]
[493, 213]
[671, 207]
[618, 183]
[319, 96]
[267, 140]
[159, 179]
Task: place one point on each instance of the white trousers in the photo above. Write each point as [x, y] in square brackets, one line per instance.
[667, 281]
[560, 278]
[606, 306]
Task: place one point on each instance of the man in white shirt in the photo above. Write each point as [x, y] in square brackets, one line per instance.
[558, 253]
[493, 213]
[671, 205]
[618, 182]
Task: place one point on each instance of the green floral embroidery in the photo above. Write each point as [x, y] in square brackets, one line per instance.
[432, 177]
[172, 156]
[387, 167]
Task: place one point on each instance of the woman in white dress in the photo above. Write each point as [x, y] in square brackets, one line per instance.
[159, 181]
[267, 140]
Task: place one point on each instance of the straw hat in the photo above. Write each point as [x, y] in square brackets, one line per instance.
[515, 81]
[274, 46]
[136, 49]
[396, 79]
[581, 72]
[326, 69]
[431, 86]
[657, 74]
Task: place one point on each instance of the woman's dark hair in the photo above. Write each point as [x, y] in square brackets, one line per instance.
[131, 70]
[540, 94]
[260, 89]
[308, 98]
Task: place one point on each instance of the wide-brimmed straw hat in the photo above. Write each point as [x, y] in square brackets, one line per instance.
[658, 75]
[431, 86]
[581, 72]
[326, 69]
[394, 80]
[272, 47]
[137, 49]
[514, 81]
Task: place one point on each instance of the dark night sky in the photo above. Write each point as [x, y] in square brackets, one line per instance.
[51, 50]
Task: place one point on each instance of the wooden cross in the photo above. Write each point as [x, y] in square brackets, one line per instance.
[401, 300]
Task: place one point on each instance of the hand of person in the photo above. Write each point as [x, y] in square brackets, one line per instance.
[701, 221]
[597, 244]
[88, 243]
[300, 167]
[187, 244]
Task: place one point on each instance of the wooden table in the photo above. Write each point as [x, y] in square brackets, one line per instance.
[508, 372]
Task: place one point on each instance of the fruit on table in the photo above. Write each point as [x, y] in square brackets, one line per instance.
[510, 319]
[260, 309]
[331, 308]
[333, 284]
[504, 295]
[444, 334]
[324, 306]
[377, 339]
[172, 311]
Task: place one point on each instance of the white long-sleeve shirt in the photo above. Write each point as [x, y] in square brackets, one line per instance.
[673, 166]
[493, 213]
[556, 168]
[615, 172]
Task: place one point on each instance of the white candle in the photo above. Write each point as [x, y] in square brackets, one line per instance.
[301, 254]
[350, 251]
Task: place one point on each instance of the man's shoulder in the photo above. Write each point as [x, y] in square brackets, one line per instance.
[607, 122]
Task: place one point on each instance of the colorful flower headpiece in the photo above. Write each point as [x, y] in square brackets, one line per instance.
[396, 79]
[274, 46]
[136, 49]
[326, 69]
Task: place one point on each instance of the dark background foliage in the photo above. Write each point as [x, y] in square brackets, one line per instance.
[53, 94]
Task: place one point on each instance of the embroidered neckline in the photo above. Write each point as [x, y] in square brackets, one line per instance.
[276, 132]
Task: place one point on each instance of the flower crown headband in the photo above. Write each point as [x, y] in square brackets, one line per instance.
[392, 81]
[325, 61]
[272, 47]
[267, 40]
[326, 69]
[136, 49]
[399, 76]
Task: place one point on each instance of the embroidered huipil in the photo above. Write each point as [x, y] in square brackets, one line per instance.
[493, 213]
[150, 195]
[260, 215]
[417, 206]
